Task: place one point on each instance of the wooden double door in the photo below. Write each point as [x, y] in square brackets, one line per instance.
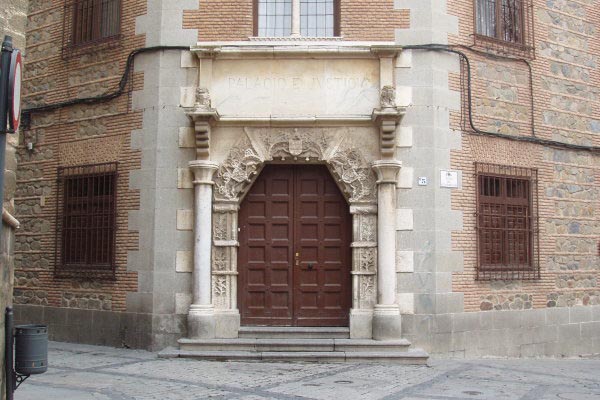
[294, 260]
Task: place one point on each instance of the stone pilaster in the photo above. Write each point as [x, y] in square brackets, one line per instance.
[201, 319]
[386, 316]
[364, 270]
[224, 268]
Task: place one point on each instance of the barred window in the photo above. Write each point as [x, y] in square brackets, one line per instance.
[95, 20]
[315, 18]
[86, 223]
[506, 222]
[508, 23]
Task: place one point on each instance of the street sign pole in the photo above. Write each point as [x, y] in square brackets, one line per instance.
[5, 59]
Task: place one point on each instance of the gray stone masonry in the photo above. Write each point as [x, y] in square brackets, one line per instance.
[129, 330]
[551, 332]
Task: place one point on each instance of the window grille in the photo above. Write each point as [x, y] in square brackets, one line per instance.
[507, 223]
[86, 221]
[504, 25]
[90, 22]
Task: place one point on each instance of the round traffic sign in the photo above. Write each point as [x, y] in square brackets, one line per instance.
[14, 91]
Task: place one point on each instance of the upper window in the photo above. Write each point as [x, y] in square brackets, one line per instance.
[306, 18]
[506, 22]
[86, 223]
[95, 20]
[501, 19]
[506, 222]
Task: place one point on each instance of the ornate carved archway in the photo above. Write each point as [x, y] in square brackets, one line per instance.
[303, 145]
[236, 174]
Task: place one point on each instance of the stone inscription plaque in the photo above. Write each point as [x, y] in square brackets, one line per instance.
[264, 88]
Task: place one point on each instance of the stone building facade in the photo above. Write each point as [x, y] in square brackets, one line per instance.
[211, 112]
[12, 20]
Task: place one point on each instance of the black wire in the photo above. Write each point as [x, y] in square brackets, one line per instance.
[432, 47]
[528, 139]
[107, 96]
[514, 59]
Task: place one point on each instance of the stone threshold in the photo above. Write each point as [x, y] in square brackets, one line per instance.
[411, 357]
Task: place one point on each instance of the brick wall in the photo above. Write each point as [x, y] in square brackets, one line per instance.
[566, 107]
[73, 135]
[233, 20]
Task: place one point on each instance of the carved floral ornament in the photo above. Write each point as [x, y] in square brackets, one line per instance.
[260, 145]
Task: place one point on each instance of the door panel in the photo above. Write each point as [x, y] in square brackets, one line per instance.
[294, 258]
[265, 254]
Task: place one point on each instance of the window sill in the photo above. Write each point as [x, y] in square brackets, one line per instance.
[295, 39]
[499, 46]
[74, 50]
[85, 272]
[508, 273]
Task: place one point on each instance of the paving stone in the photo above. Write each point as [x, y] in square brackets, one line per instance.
[81, 372]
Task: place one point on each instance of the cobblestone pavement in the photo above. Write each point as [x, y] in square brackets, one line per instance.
[100, 373]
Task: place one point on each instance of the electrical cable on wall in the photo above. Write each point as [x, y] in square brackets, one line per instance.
[107, 96]
[528, 139]
[426, 47]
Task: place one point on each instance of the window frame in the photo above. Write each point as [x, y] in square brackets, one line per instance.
[498, 43]
[336, 20]
[503, 270]
[89, 229]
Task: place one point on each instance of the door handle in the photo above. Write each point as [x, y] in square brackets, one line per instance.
[310, 267]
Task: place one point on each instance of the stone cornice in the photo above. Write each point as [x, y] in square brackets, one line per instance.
[286, 48]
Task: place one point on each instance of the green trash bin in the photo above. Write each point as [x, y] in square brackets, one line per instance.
[31, 349]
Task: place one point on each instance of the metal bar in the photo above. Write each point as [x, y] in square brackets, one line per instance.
[89, 228]
[9, 353]
[5, 57]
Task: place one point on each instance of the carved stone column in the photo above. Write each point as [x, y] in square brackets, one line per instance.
[386, 316]
[364, 269]
[201, 321]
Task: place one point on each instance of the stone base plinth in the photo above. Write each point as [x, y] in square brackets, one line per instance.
[201, 322]
[227, 324]
[387, 322]
[361, 324]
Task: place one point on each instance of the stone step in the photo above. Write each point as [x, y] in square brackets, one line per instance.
[293, 345]
[289, 332]
[411, 357]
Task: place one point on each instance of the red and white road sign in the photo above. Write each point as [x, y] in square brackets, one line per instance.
[14, 91]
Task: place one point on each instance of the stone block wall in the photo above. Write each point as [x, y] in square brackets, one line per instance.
[542, 332]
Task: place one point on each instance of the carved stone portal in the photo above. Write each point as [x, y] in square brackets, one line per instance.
[260, 145]
[351, 171]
